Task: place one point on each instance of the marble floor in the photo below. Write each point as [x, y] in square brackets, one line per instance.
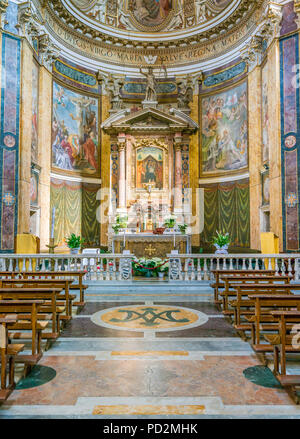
[150, 350]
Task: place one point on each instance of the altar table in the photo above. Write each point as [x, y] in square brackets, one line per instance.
[149, 245]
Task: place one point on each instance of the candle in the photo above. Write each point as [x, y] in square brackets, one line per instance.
[174, 239]
[124, 240]
[52, 223]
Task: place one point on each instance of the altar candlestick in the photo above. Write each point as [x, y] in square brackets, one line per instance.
[174, 240]
[124, 242]
[52, 223]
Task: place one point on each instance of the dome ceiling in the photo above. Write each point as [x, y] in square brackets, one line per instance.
[153, 15]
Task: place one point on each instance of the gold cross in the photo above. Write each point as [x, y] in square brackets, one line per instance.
[149, 250]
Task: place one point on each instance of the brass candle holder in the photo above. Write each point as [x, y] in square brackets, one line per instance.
[51, 246]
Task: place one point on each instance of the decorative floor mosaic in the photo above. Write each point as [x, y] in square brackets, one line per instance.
[149, 358]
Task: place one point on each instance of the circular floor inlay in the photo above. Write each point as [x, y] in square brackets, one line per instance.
[149, 317]
[38, 376]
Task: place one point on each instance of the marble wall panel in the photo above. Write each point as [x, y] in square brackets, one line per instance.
[9, 140]
[290, 141]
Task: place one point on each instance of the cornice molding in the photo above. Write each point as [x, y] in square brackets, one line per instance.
[268, 30]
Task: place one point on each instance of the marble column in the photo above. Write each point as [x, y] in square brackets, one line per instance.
[178, 178]
[122, 174]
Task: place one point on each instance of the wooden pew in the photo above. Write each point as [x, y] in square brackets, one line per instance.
[286, 341]
[264, 305]
[79, 275]
[236, 273]
[48, 294]
[27, 320]
[232, 281]
[243, 299]
[8, 354]
[45, 283]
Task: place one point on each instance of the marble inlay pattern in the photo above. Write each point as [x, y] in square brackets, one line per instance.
[143, 318]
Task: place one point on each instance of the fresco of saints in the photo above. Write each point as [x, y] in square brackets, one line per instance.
[74, 131]
[225, 131]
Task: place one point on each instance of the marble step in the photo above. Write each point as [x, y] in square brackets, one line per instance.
[149, 291]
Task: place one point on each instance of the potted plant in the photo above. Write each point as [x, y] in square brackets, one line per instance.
[121, 221]
[221, 242]
[116, 228]
[182, 228]
[170, 222]
[74, 243]
[163, 269]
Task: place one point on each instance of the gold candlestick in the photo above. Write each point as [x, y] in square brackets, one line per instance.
[51, 246]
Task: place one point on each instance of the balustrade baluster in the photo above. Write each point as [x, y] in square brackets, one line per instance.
[199, 269]
[224, 264]
[43, 268]
[250, 264]
[101, 268]
[276, 267]
[270, 264]
[244, 264]
[290, 267]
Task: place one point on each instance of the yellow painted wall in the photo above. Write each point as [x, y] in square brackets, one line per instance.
[275, 142]
[105, 171]
[25, 139]
[255, 161]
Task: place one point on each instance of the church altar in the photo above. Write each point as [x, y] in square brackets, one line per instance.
[150, 245]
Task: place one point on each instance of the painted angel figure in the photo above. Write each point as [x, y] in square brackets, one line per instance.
[151, 93]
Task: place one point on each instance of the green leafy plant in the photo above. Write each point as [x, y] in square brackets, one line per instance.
[74, 241]
[121, 221]
[182, 228]
[116, 228]
[221, 239]
[170, 222]
[147, 267]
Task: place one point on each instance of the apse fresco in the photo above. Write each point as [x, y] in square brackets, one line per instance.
[221, 3]
[150, 12]
[149, 168]
[225, 131]
[74, 131]
[154, 15]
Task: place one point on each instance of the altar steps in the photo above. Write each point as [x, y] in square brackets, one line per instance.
[150, 290]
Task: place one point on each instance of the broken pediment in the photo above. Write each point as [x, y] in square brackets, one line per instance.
[149, 119]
